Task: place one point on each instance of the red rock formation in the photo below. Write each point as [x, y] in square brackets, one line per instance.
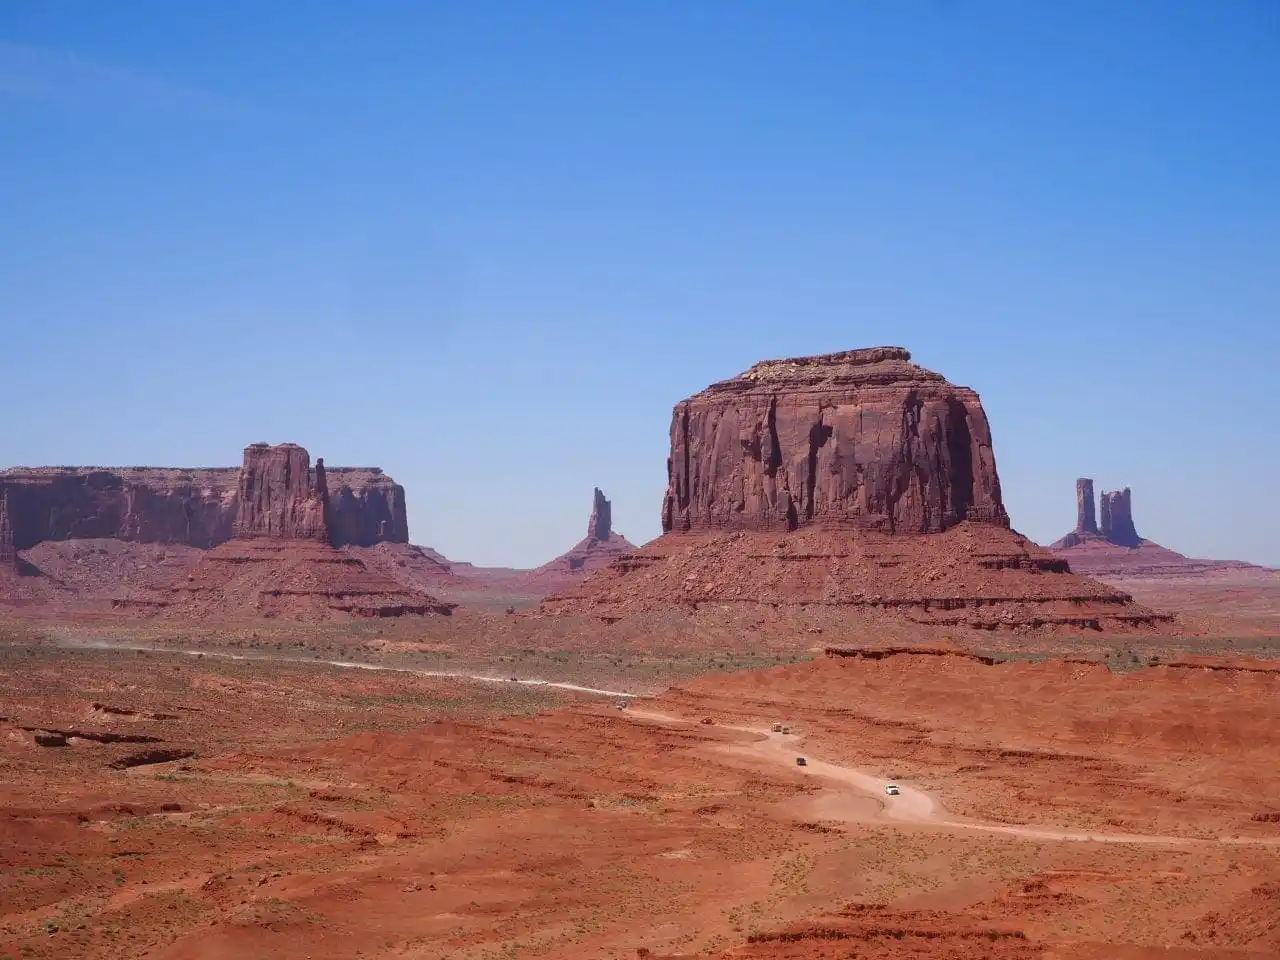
[975, 576]
[279, 497]
[282, 562]
[1117, 519]
[195, 507]
[1113, 549]
[306, 580]
[8, 554]
[598, 549]
[855, 481]
[1086, 520]
[600, 524]
[863, 438]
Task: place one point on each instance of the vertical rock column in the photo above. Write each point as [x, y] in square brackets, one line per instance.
[8, 554]
[601, 523]
[1086, 519]
[1117, 518]
[279, 497]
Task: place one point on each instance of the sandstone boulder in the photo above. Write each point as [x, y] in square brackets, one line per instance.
[863, 438]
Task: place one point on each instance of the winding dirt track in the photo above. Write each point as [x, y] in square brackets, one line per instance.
[842, 805]
[911, 805]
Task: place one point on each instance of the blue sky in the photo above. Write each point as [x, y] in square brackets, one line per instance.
[487, 246]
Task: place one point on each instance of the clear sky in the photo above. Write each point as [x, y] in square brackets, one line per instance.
[487, 246]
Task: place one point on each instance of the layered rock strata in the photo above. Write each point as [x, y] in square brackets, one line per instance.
[282, 562]
[854, 480]
[193, 507]
[863, 438]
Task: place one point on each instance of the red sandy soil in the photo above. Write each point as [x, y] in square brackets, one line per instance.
[327, 813]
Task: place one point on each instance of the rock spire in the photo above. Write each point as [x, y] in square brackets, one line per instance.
[601, 523]
[1086, 518]
[1117, 518]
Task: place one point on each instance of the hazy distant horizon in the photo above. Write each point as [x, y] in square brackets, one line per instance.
[487, 248]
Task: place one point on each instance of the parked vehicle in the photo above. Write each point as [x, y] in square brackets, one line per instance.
[892, 789]
[801, 762]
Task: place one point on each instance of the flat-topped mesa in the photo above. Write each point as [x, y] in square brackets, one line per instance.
[8, 554]
[863, 438]
[279, 496]
[1117, 518]
[1086, 519]
[195, 506]
[600, 525]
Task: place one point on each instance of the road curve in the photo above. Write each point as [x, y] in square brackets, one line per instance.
[912, 805]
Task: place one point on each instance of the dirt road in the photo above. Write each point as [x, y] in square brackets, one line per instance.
[863, 797]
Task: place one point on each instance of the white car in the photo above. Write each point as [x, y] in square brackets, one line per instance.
[892, 789]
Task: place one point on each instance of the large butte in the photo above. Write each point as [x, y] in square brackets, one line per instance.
[857, 482]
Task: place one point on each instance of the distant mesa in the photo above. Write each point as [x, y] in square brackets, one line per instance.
[855, 481]
[282, 562]
[1111, 546]
[190, 506]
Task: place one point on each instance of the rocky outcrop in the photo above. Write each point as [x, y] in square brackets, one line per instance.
[864, 439]
[1117, 519]
[855, 486]
[8, 554]
[598, 549]
[1113, 551]
[279, 495]
[282, 562]
[1086, 519]
[1116, 526]
[194, 507]
[600, 524]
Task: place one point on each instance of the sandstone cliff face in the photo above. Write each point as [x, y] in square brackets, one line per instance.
[279, 496]
[281, 561]
[8, 554]
[195, 507]
[1117, 518]
[863, 438]
[1086, 519]
[855, 487]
